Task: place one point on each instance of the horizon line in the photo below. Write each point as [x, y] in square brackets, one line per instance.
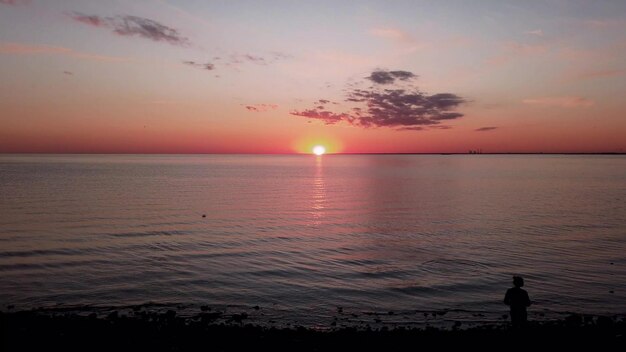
[365, 153]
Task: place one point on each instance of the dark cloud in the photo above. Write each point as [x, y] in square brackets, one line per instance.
[389, 77]
[134, 26]
[149, 29]
[208, 66]
[485, 129]
[418, 128]
[403, 108]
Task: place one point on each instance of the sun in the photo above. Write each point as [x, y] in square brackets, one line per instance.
[319, 150]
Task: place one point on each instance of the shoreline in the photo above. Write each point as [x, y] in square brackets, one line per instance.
[28, 330]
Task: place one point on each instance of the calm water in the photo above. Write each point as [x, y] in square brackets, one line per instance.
[300, 236]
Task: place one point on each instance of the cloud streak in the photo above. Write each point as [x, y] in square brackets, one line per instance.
[401, 107]
[391, 33]
[134, 26]
[239, 59]
[485, 129]
[207, 66]
[14, 2]
[516, 51]
[560, 102]
[536, 32]
[261, 107]
[28, 49]
[592, 74]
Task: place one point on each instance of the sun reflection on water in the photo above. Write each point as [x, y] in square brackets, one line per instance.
[319, 192]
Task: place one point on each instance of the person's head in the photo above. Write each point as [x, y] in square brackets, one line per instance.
[518, 281]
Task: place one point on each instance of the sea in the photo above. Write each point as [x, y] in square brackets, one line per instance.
[320, 242]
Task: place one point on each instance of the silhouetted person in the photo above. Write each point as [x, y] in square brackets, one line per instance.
[518, 300]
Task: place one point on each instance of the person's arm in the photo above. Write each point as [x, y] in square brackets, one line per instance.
[528, 301]
[507, 298]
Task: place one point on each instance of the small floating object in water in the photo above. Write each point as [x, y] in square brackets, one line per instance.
[611, 291]
[204, 215]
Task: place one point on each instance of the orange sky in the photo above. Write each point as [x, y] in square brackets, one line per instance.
[149, 76]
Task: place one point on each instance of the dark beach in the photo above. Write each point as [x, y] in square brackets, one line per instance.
[213, 330]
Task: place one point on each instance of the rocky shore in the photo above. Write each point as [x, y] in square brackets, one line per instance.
[208, 330]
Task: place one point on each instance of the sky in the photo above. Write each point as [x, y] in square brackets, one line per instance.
[191, 76]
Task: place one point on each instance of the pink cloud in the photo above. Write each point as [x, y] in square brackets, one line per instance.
[405, 40]
[392, 33]
[592, 74]
[261, 107]
[561, 102]
[604, 24]
[29, 49]
[514, 50]
[14, 2]
[536, 32]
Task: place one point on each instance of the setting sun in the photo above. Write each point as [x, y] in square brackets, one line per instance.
[319, 150]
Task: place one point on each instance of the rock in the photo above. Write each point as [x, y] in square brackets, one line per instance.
[204, 308]
[240, 317]
[605, 322]
[113, 315]
[256, 307]
[209, 317]
[574, 320]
